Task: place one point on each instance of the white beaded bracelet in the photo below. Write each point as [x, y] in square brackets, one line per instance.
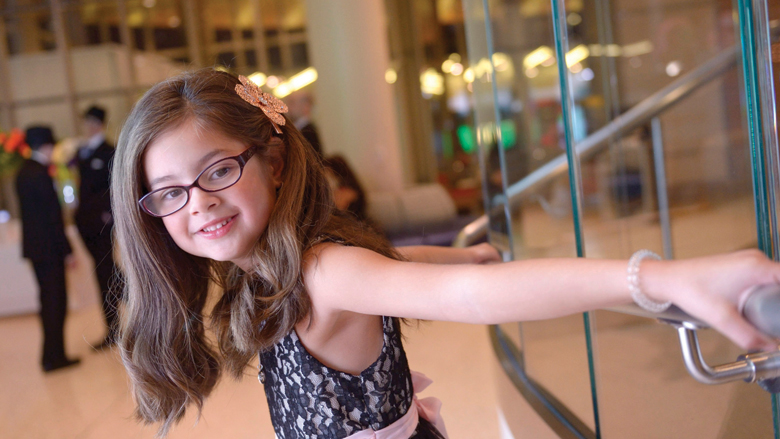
[633, 283]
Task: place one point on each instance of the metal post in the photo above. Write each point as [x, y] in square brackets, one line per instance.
[660, 183]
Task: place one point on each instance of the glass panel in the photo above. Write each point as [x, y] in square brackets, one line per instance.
[517, 118]
[618, 53]
[761, 114]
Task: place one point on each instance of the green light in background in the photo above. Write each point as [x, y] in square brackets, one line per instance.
[467, 141]
[508, 133]
[446, 144]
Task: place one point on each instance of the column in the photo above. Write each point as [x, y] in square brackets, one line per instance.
[355, 107]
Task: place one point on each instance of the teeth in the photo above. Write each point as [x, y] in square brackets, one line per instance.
[216, 227]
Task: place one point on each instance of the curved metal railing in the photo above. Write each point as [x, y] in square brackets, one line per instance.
[762, 309]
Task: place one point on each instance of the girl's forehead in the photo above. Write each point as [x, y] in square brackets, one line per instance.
[183, 150]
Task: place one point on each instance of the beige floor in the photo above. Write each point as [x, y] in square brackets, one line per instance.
[91, 401]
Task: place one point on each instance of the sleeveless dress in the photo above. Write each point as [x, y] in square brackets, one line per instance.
[310, 400]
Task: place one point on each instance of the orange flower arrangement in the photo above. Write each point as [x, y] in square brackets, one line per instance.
[13, 150]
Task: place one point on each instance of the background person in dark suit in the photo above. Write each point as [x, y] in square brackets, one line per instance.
[300, 104]
[44, 244]
[93, 215]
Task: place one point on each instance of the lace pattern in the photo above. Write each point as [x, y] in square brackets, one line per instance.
[310, 400]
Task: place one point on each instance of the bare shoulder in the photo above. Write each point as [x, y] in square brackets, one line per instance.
[330, 263]
[334, 273]
[354, 279]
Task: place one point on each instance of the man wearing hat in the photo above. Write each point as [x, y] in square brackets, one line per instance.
[44, 243]
[93, 215]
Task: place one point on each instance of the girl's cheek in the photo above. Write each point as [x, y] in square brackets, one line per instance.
[174, 229]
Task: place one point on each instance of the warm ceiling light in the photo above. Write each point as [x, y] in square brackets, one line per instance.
[391, 76]
[258, 78]
[296, 82]
[538, 56]
[576, 55]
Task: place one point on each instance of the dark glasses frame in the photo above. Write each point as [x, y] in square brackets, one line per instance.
[242, 159]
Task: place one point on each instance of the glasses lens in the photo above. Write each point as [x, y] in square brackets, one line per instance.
[166, 200]
[220, 175]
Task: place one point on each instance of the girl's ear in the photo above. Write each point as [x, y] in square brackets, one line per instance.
[277, 166]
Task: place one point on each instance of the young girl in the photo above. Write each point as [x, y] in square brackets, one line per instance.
[212, 184]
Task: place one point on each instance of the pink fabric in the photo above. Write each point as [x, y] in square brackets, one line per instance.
[429, 408]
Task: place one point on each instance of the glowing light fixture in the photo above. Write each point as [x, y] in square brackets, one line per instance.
[431, 82]
[272, 81]
[68, 195]
[391, 76]
[577, 55]
[468, 75]
[296, 82]
[456, 69]
[446, 66]
[587, 74]
[454, 57]
[538, 56]
[674, 68]
[613, 50]
[483, 68]
[636, 49]
[574, 19]
[258, 78]
[533, 72]
[501, 61]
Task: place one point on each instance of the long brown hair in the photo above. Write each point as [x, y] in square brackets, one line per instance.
[164, 346]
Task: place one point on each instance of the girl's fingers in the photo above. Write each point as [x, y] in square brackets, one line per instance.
[725, 318]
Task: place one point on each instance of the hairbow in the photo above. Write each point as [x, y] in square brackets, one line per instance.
[271, 106]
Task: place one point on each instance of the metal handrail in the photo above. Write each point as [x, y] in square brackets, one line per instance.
[763, 368]
[638, 115]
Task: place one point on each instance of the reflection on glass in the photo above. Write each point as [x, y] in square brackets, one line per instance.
[635, 49]
[519, 130]
[615, 55]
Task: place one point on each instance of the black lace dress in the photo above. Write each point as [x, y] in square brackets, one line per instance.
[310, 400]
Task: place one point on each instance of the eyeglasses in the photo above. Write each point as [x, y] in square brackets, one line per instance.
[218, 176]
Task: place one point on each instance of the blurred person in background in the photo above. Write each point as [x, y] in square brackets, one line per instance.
[93, 215]
[44, 243]
[300, 104]
[348, 193]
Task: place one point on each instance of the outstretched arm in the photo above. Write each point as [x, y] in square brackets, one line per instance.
[475, 254]
[358, 280]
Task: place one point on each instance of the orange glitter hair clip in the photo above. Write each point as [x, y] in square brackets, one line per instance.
[271, 106]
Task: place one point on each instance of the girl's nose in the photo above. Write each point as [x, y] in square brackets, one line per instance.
[201, 201]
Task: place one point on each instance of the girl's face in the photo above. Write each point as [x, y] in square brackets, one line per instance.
[224, 225]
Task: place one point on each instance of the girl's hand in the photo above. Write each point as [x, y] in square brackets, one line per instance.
[711, 288]
[484, 253]
[476, 254]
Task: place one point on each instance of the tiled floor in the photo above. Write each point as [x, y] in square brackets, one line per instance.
[91, 401]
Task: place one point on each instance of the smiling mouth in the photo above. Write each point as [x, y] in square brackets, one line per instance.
[215, 227]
